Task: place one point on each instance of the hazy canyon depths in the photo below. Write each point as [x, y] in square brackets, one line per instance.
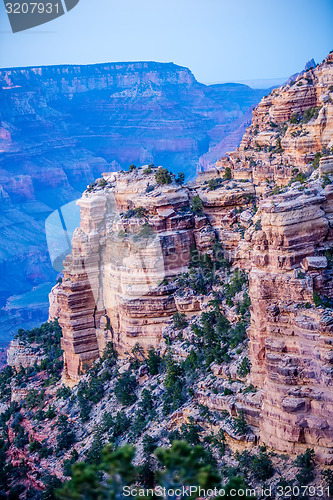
[272, 214]
[62, 126]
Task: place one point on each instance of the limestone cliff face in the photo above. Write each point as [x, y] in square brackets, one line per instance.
[220, 208]
[115, 284]
[291, 339]
[289, 127]
[20, 354]
[135, 236]
[62, 126]
[291, 334]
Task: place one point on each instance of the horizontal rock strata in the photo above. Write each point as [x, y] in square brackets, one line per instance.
[135, 236]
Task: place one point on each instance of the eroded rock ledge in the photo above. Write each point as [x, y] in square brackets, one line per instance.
[116, 281]
[133, 239]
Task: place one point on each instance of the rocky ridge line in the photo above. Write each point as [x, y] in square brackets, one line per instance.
[273, 217]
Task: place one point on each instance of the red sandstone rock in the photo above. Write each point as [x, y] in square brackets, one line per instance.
[115, 284]
[111, 285]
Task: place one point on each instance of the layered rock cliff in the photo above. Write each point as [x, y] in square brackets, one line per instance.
[291, 333]
[116, 281]
[290, 268]
[269, 205]
[61, 126]
[117, 289]
[290, 130]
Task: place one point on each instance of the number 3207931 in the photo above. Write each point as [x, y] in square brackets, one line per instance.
[32, 8]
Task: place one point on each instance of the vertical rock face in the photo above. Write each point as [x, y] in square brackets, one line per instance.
[290, 339]
[115, 284]
[274, 217]
[291, 336]
[289, 127]
[220, 208]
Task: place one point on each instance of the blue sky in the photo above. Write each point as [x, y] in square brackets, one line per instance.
[219, 40]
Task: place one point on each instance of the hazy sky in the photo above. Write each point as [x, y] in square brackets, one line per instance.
[219, 40]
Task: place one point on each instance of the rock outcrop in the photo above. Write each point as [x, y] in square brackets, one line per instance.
[62, 126]
[290, 338]
[269, 205]
[289, 250]
[291, 128]
[19, 354]
[116, 284]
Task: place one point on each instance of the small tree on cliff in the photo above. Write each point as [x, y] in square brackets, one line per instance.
[179, 321]
[227, 173]
[153, 361]
[197, 205]
[306, 464]
[162, 176]
[125, 389]
[181, 178]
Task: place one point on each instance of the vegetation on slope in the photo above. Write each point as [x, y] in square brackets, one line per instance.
[79, 443]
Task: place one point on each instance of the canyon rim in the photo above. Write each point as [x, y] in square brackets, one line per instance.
[199, 311]
[283, 246]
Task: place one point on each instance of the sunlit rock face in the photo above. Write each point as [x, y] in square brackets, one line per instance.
[20, 355]
[118, 279]
[291, 335]
[62, 126]
[134, 239]
[289, 127]
[290, 338]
